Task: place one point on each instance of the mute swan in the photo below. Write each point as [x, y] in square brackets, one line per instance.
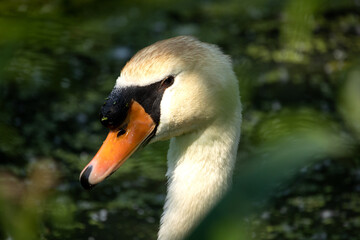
[186, 91]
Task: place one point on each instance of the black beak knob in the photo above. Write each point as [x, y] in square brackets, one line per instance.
[114, 111]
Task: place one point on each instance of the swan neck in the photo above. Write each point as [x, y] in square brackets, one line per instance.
[200, 166]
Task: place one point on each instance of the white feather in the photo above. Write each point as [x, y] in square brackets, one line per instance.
[201, 113]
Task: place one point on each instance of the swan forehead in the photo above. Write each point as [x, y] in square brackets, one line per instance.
[163, 58]
[149, 71]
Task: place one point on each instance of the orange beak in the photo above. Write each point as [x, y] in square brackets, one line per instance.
[118, 146]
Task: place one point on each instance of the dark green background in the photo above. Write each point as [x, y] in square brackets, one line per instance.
[298, 174]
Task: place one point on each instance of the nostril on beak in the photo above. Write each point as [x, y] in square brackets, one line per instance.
[84, 178]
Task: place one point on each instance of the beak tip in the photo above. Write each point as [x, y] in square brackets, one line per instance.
[84, 178]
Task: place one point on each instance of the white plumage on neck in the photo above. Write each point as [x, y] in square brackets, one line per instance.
[200, 166]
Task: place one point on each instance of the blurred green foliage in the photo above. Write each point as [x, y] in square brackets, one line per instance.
[298, 67]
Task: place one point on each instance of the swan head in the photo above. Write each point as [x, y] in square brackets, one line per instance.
[170, 88]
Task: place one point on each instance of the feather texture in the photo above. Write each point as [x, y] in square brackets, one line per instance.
[201, 114]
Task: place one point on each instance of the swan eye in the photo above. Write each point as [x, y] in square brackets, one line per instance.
[168, 81]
